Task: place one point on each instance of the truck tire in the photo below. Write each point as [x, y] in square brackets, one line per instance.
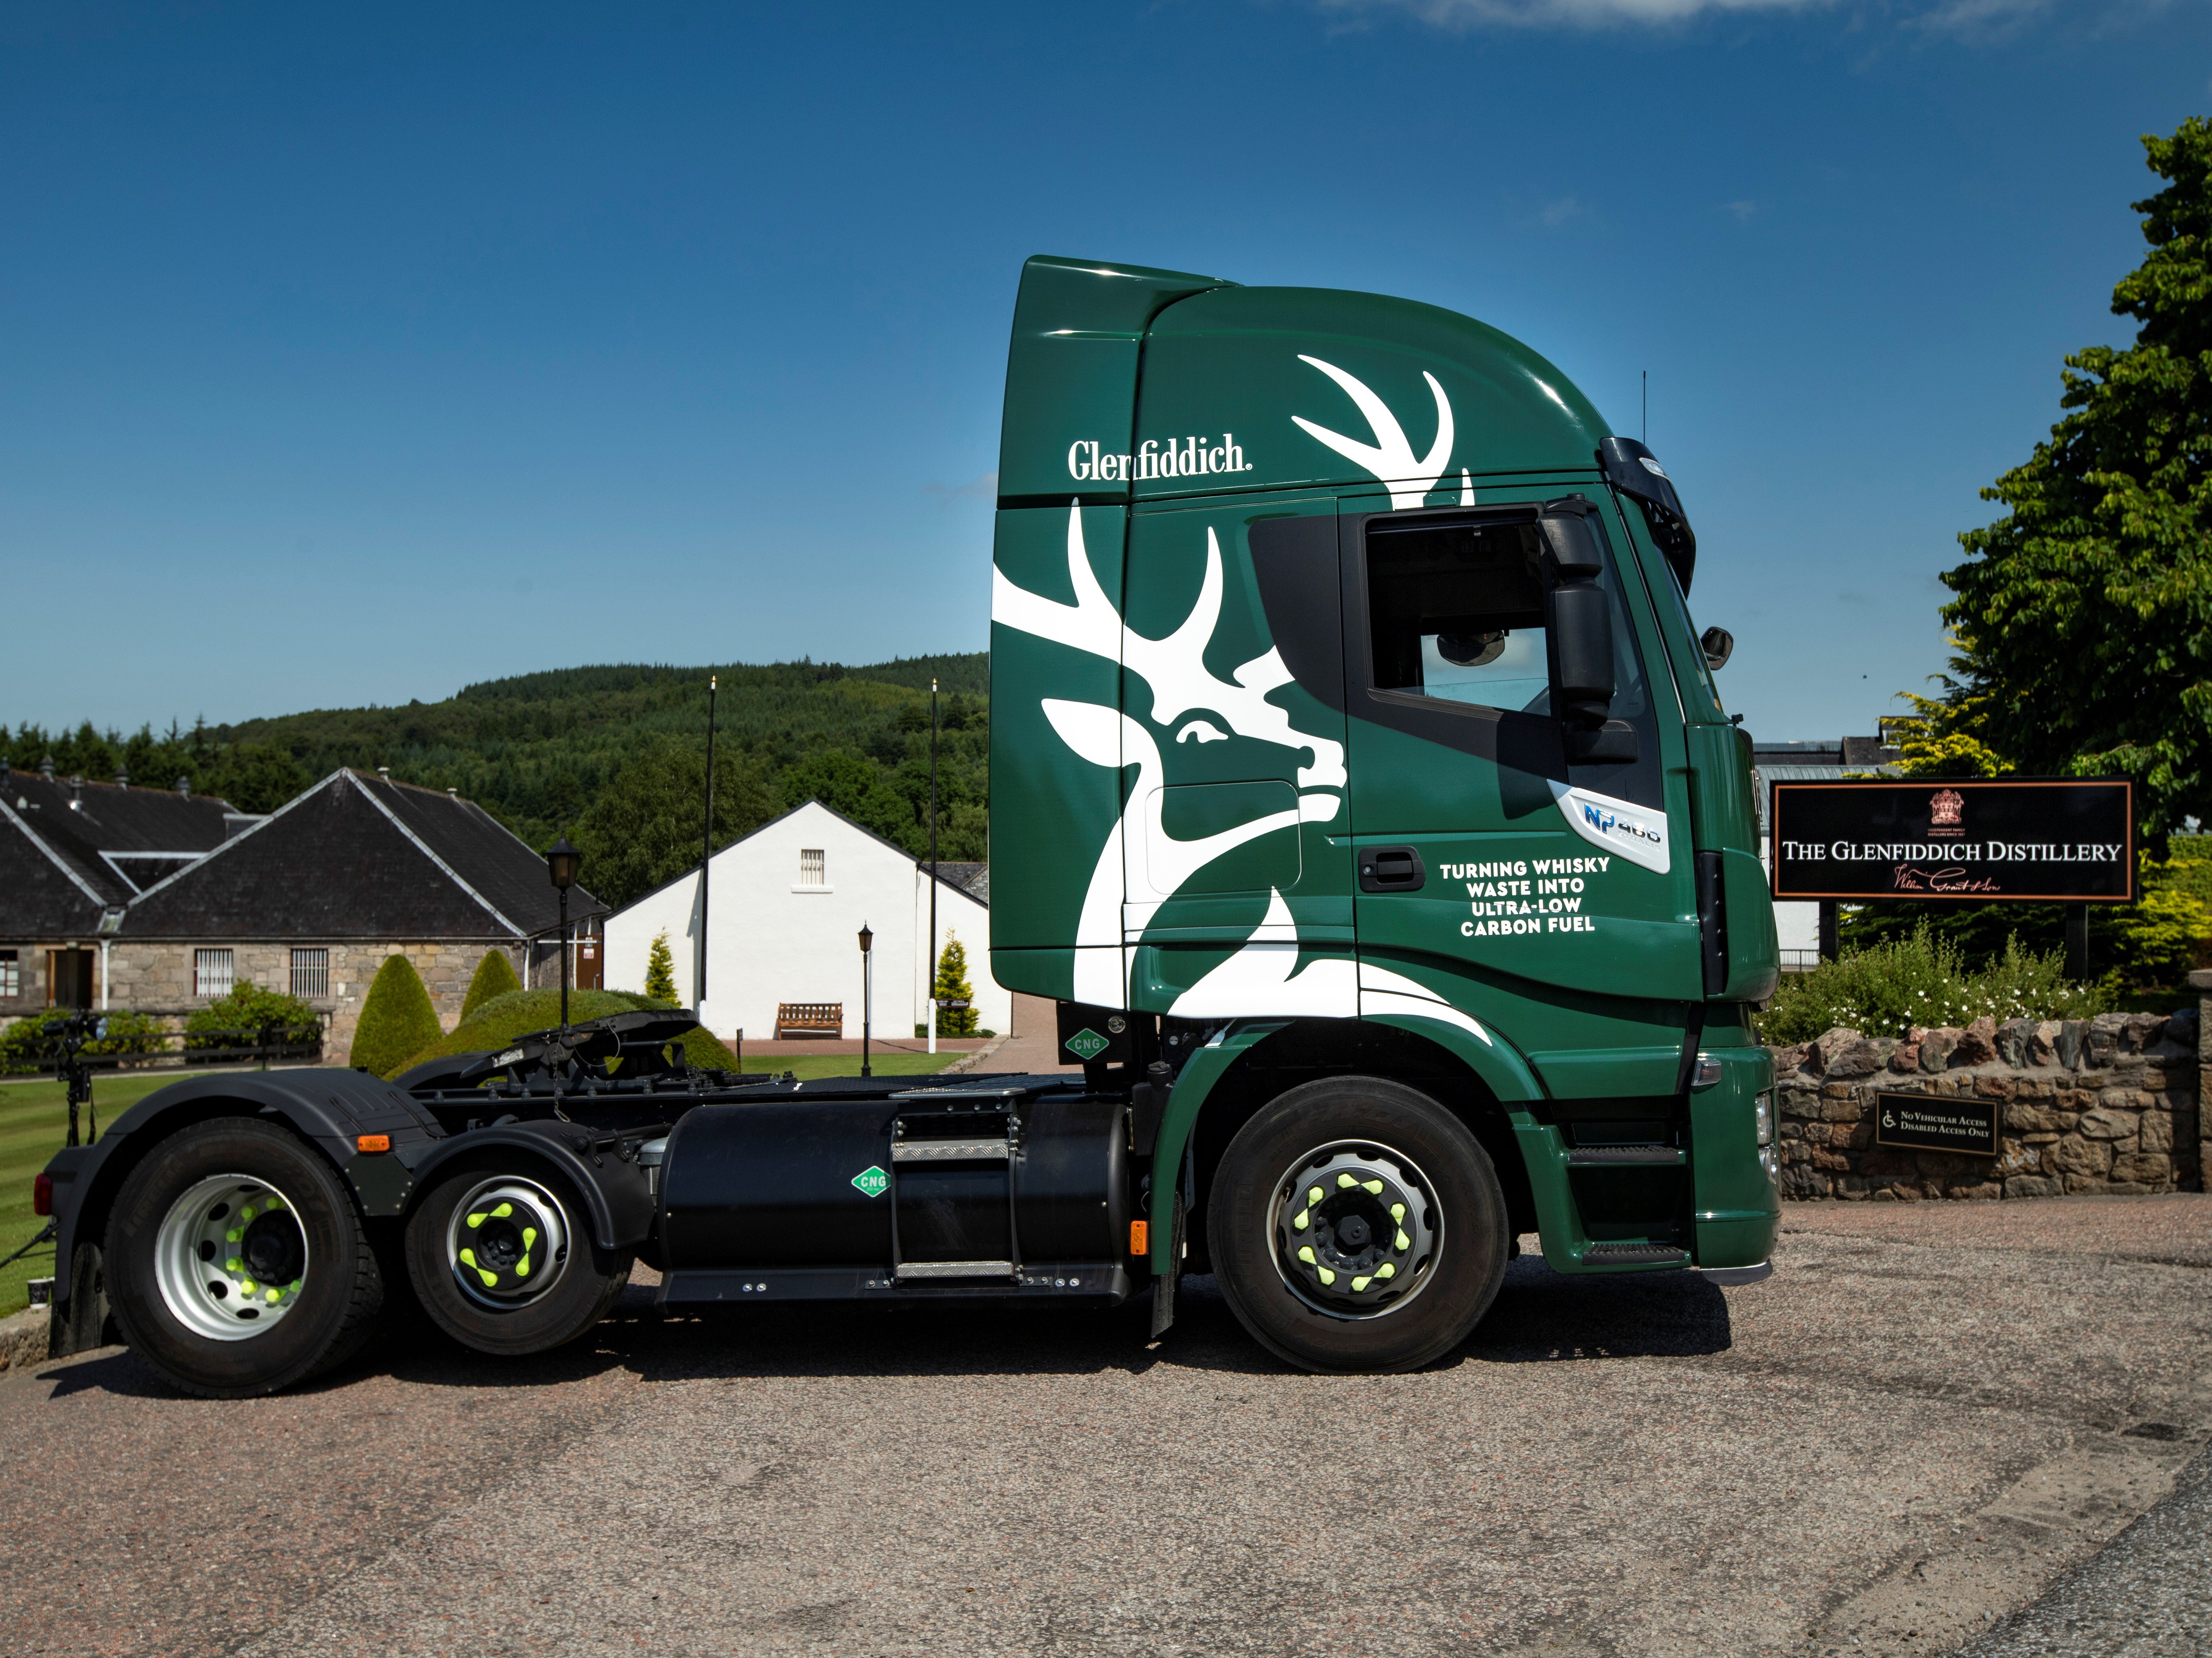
[236, 1261]
[501, 1257]
[1357, 1226]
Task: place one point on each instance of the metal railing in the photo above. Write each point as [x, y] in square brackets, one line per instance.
[84, 1040]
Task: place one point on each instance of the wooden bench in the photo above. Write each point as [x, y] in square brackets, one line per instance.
[816, 1020]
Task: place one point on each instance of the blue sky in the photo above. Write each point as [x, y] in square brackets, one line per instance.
[350, 358]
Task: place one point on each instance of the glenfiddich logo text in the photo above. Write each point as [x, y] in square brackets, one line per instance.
[1178, 458]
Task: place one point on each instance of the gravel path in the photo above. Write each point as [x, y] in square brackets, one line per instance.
[1904, 1435]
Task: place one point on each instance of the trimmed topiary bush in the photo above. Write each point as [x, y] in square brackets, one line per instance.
[397, 1021]
[495, 976]
[499, 1021]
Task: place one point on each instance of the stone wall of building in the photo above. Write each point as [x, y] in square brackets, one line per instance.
[158, 977]
[2103, 1105]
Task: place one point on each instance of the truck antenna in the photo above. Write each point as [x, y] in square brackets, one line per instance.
[1647, 406]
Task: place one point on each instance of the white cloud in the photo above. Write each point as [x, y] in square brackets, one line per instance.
[1575, 13]
[985, 488]
[1555, 214]
[1977, 19]
[1743, 210]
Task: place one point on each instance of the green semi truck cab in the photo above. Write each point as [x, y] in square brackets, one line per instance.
[1360, 795]
[1349, 723]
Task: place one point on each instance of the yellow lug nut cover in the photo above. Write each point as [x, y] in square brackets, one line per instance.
[247, 1213]
[529, 1237]
[1374, 1187]
[1404, 1243]
[1298, 1220]
[1314, 1195]
[1398, 1212]
[272, 1294]
[490, 1280]
[1327, 1277]
[502, 1211]
[1386, 1270]
[248, 1286]
[233, 1235]
[1344, 1183]
[477, 1219]
[1359, 1284]
[522, 1267]
[234, 1264]
[468, 1257]
[1306, 1255]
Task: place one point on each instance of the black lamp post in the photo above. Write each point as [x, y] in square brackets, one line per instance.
[561, 863]
[867, 992]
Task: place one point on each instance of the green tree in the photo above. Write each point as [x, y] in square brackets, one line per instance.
[248, 1007]
[660, 970]
[397, 1021]
[2084, 618]
[495, 976]
[643, 829]
[952, 985]
[856, 786]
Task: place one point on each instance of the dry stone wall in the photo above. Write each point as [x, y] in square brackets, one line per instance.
[2103, 1105]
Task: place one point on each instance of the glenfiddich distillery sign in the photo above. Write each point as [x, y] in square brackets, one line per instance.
[2060, 841]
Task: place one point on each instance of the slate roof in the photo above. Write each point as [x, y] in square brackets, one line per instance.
[54, 879]
[973, 879]
[361, 857]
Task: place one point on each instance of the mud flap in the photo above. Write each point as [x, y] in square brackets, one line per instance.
[84, 1321]
[1163, 1287]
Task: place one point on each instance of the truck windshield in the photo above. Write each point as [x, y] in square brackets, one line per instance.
[1699, 673]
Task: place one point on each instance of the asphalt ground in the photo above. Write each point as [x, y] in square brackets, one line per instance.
[1918, 1428]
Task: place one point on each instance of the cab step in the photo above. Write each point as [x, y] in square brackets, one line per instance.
[1634, 1254]
[1626, 1157]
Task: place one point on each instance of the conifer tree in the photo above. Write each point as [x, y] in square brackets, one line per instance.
[660, 970]
[952, 985]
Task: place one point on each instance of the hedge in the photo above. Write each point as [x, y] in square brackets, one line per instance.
[519, 1013]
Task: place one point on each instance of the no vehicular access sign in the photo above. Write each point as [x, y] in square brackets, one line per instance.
[2062, 840]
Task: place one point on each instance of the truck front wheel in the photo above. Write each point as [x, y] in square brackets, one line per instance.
[236, 1261]
[503, 1261]
[1357, 1226]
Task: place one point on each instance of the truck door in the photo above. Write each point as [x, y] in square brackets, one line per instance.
[1232, 740]
[1555, 896]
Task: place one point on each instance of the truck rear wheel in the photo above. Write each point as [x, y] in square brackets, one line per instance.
[1357, 1226]
[236, 1261]
[502, 1259]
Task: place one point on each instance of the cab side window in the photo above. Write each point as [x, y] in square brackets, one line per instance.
[1456, 611]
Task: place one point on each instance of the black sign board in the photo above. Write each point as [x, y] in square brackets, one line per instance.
[1930, 1122]
[2068, 841]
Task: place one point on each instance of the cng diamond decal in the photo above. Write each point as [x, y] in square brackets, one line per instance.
[873, 1181]
[1086, 1044]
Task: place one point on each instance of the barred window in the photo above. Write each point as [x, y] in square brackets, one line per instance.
[11, 975]
[311, 973]
[212, 973]
[813, 868]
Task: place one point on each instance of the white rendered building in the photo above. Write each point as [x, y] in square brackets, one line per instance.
[785, 906]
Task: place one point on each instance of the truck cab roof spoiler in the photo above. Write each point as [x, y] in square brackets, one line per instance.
[1633, 470]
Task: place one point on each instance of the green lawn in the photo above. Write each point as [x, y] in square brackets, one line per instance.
[34, 1122]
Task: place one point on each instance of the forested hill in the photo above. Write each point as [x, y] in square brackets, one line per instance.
[548, 752]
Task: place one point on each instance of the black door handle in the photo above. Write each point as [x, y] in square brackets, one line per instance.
[1391, 869]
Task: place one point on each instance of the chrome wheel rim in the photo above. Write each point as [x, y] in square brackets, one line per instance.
[507, 1243]
[1355, 1228]
[230, 1258]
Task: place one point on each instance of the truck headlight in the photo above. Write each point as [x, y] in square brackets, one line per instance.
[1762, 1116]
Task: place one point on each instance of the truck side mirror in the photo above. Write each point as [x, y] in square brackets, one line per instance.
[1718, 644]
[1580, 621]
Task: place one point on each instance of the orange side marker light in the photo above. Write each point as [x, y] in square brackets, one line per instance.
[1140, 1238]
[372, 1142]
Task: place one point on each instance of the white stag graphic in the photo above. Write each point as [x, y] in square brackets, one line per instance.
[1183, 688]
[1389, 458]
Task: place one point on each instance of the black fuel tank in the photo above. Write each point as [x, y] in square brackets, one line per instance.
[811, 1182]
